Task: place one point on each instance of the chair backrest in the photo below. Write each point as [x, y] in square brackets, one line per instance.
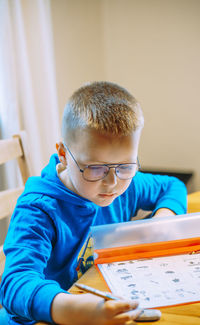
[13, 148]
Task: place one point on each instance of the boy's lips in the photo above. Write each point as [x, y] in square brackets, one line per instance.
[107, 194]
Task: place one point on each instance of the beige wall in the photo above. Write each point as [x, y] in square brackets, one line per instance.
[152, 47]
[77, 29]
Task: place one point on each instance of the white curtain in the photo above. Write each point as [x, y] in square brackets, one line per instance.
[28, 96]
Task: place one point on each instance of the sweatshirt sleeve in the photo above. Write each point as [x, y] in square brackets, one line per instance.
[153, 192]
[24, 290]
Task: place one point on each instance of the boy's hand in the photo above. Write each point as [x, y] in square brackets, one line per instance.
[164, 212]
[88, 309]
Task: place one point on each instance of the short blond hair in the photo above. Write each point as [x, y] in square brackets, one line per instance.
[103, 106]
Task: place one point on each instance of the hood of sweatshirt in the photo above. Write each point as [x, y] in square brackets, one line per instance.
[49, 184]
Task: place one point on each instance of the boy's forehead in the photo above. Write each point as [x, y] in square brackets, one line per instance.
[92, 136]
[91, 145]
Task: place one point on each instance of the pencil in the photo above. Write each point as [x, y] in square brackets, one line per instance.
[96, 292]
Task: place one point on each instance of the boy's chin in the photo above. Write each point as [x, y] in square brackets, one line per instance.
[104, 202]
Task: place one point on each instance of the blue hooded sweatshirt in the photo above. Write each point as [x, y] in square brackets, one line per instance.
[50, 226]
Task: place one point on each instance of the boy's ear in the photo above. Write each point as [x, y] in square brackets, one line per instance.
[61, 153]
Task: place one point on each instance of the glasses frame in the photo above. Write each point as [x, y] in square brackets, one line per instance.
[107, 165]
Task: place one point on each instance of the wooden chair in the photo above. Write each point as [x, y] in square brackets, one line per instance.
[13, 148]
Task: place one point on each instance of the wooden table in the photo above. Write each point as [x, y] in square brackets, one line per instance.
[179, 315]
[194, 202]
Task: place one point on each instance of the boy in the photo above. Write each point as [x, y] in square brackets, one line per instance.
[93, 180]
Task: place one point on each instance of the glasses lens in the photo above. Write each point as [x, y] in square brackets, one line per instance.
[126, 171]
[95, 172]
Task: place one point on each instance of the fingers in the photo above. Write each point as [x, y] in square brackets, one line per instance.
[124, 318]
[127, 317]
[113, 308]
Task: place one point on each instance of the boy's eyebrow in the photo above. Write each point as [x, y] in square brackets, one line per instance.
[105, 163]
[91, 162]
[88, 161]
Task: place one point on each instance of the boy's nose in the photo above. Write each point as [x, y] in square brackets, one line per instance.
[111, 177]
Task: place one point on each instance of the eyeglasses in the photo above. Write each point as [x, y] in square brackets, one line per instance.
[93, 173]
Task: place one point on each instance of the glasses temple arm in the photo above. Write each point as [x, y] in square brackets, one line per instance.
[81, 170]
[139, 166]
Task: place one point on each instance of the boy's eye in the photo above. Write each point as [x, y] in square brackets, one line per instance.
[126, 167]
[95, 167]
[95, 171]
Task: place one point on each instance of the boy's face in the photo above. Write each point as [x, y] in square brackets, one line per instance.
[94, 148]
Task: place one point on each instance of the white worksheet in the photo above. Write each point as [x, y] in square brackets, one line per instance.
[156, 282]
